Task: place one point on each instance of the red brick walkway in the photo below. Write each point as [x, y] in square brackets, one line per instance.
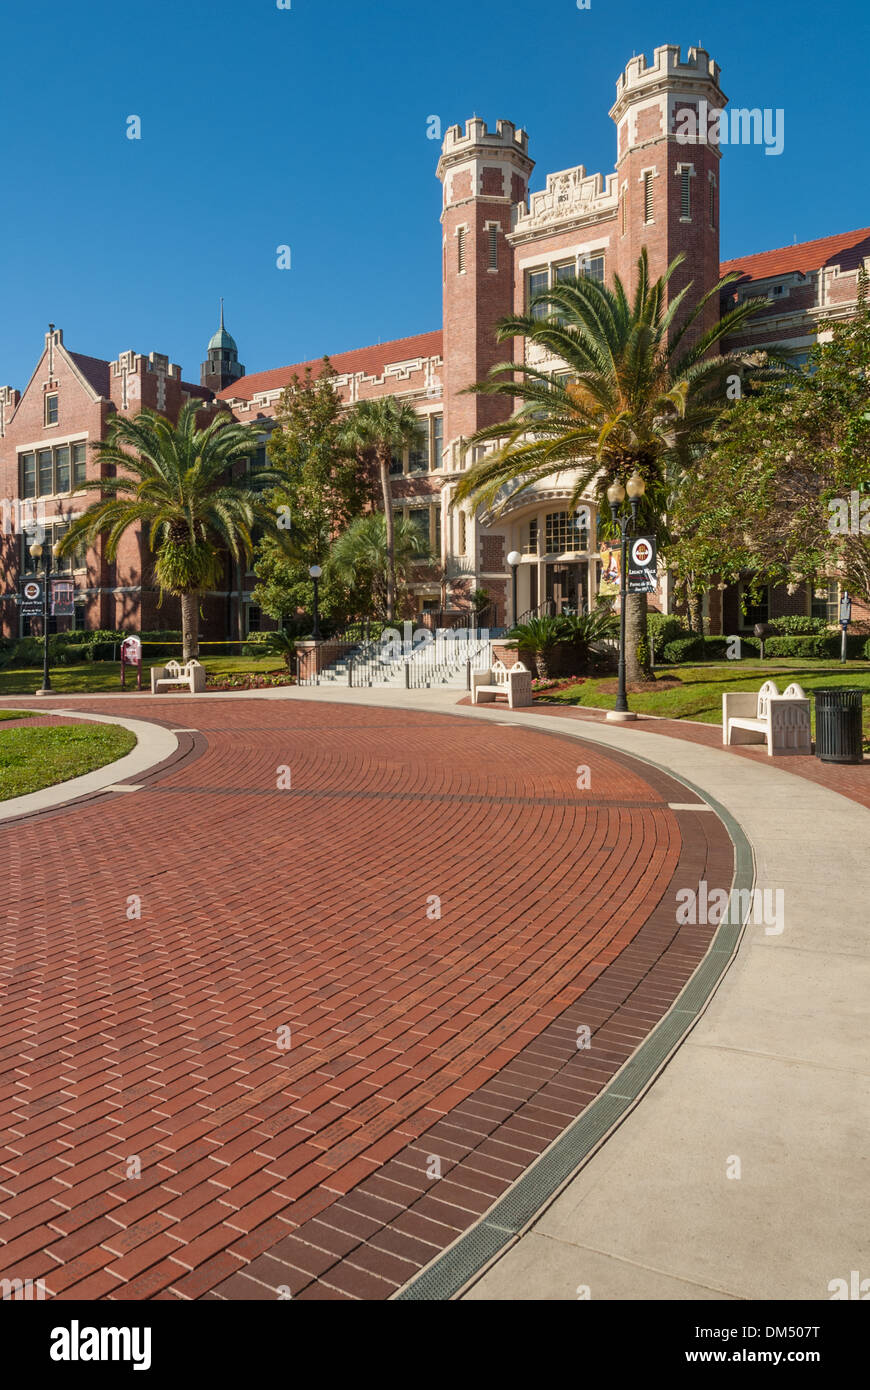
[290, 1044]
[851, 780]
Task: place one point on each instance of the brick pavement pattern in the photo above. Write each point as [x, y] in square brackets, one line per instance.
[334, 991]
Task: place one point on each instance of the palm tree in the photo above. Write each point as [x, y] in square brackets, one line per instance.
[645, 384]
[173, 479]
[362, 559]
[383, 427]
[538, 637]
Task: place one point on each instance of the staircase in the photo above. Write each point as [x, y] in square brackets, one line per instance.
[421, 663]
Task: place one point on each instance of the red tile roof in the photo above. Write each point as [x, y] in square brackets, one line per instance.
[846, 249]
[371, 361]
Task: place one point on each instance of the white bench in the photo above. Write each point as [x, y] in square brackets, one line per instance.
[191, 675]
[513, 681]
[780, 721]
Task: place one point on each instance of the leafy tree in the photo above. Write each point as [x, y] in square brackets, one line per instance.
[173, 479]
[320, 487]
[645, 385]
[361, 558]
[380, 428]
[778, 495]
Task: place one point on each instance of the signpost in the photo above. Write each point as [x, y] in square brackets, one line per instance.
[845, 619]
[642, 575]
[131, 655]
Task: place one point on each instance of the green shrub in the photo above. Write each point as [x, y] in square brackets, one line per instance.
[709, 648]
[27, 652]
[664, 628]
[683, 649]
[799, 625]
[810, 647]
[63, 650]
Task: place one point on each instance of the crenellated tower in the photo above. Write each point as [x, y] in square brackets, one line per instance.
[668, 165]
[485, 175]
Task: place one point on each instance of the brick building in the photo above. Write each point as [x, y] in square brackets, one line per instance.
[502, 242]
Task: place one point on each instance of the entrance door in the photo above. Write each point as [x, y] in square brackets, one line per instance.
[566, 587]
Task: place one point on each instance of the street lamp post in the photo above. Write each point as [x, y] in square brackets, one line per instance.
[45, 552]
[636, 487]
[315, 572]
[513, 560]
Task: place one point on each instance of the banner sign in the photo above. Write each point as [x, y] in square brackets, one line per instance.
[609, 583]
[30, 598]
[63, 594]
[642, 571]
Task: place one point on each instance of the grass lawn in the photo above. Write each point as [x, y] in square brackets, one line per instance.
[90, 677]
[699, 693]
[32, 758]
[19, 714]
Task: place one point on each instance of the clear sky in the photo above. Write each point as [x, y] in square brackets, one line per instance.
[307, 127]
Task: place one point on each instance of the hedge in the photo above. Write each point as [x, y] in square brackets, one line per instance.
[713, 648]
[811, 647]
[799, 625]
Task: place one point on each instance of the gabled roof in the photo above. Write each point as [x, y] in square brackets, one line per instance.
[845, 249]
[370, 361]
[94, 370]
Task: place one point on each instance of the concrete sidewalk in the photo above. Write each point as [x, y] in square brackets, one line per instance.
[773, 1083]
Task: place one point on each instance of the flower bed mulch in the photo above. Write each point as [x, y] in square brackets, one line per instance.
[250, 680]
[544, 688]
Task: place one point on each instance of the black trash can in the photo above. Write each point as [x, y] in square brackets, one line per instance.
[838, 724]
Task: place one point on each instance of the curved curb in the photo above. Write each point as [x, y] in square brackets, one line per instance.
[154, 745]
[501, 1227]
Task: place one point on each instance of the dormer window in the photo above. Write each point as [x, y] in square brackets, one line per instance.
[51, 410]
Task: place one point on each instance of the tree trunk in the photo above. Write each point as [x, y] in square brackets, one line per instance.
[637, 658]
[384, 461]
[696, 612]
[542, 663]
[189, 626]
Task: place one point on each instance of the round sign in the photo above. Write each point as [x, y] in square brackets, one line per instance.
[32, 590]
[641, 551]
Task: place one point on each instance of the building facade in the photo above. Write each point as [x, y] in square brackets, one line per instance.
[502, 241]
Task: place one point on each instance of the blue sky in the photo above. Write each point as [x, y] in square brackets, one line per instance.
[307, 127]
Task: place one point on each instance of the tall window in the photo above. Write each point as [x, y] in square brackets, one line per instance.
[647, 197]
[462, 540]
[47, 472]
[51, 410]
[425, 453]
[757, 610]
[59, 565]
[712, 186]
[437, 440]
[686, 193]
[593, 268]
[530, 540]
[460, 250]
[624, 209]
[419, 518]
[825, 603]
[418, 454]
[538, 280]
[493, 247]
